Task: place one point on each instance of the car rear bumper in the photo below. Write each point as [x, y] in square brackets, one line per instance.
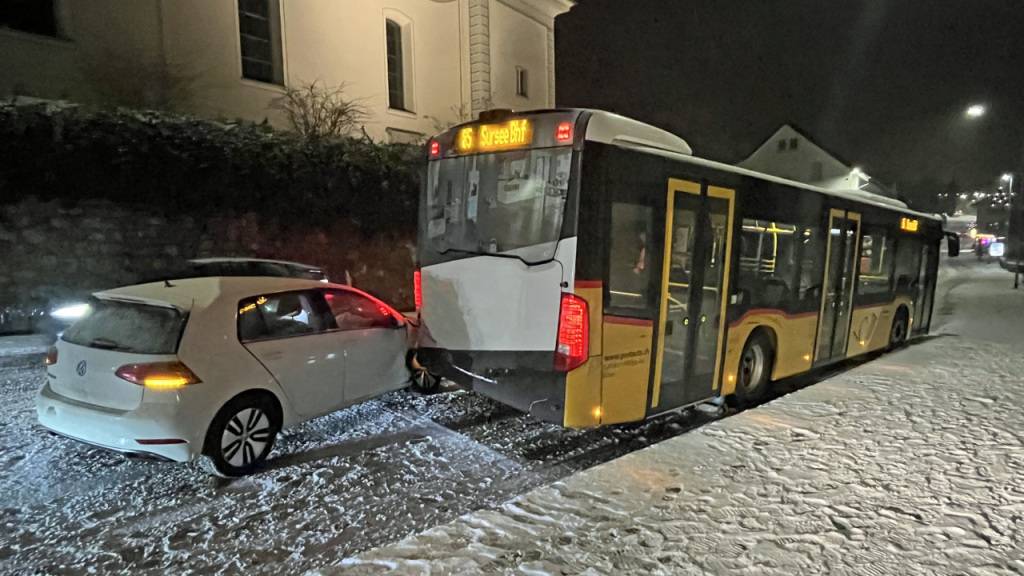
[149, 430]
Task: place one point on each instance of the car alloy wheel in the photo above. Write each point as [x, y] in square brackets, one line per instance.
[246, 437]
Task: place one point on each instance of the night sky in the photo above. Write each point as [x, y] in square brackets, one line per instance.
[883, 83]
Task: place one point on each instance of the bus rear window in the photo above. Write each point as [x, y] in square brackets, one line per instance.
[499, 203]
[128, 327]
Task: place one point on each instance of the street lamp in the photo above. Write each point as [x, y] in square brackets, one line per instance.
[976, 111]
[1014, 219]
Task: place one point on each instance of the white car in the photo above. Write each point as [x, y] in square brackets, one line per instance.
[215, 367]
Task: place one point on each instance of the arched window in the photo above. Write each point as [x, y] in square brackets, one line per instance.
[396, 65]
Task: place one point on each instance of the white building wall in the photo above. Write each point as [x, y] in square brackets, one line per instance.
[460, 51]
[88, 61]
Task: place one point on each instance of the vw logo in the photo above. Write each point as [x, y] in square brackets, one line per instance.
[80, 369]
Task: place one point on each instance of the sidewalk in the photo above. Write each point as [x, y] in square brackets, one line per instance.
[912, 463]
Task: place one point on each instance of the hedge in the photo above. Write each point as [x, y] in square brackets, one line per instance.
[181, 164]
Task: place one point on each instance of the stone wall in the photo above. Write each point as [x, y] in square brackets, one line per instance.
[52, 252]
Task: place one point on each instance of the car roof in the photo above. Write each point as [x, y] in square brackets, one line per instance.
[192, 293]
[263, 260]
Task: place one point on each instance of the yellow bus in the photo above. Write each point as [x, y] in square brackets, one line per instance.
[589, 269]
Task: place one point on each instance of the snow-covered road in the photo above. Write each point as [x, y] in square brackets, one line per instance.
[338, 485]
[912, 463]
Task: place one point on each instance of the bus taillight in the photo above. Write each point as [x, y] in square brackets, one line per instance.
[563, 134]
[435, 149]
[417, 289]
[573, 346]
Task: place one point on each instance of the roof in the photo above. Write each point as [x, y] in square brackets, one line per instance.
[192, 293]
[806, 135]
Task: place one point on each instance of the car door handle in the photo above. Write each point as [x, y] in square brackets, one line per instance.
[273, 356]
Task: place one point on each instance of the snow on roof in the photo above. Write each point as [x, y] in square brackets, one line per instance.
[610, 128]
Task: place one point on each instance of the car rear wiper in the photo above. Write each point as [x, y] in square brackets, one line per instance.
[107, 344]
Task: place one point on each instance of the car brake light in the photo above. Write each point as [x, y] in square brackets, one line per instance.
[158, 375]
[563, 134]
[573, 347]
[51, 356]
[417, 289]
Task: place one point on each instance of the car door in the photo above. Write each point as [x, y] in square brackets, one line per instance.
[374, 343]
[290, 334]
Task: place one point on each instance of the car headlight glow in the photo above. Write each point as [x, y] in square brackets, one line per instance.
[70, 312]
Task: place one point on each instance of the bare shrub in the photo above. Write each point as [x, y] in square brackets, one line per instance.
[316, 111]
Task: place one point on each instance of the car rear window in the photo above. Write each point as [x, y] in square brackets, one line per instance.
[128, 327]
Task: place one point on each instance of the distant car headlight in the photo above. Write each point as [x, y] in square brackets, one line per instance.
[70, 312]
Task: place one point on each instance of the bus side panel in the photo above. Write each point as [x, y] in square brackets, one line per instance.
[871, 326]
[626, 369]
[794, 340]
[583, 385]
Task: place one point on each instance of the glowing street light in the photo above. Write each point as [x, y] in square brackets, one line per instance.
[976, 111]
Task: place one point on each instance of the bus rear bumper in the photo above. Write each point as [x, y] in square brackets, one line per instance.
[525, 381]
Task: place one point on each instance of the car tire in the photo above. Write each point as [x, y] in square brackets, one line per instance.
[898, 332]
[753, 376]
[424, 382]
[241, 436]
[421, 379]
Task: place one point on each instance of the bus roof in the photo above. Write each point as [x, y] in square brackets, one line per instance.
[609, 128]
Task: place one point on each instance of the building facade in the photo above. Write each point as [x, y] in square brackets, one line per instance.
[416, 66]
[790, 153]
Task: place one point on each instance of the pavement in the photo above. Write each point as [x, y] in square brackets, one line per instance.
[910, 463]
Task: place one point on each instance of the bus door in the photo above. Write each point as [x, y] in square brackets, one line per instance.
[695, 276]
[837, 294]
[925, 289]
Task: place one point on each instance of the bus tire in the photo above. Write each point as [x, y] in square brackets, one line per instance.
[900, 327]
[753, 376]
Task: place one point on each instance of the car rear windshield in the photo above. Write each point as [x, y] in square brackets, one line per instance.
[128, 327]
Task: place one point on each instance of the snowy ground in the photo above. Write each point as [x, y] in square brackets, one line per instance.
[338, 485]
[889, 465]
[912, 463]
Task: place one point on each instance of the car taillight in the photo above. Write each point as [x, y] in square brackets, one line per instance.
[158, 375]
[417, 288]
[51, 356]
[573, 347]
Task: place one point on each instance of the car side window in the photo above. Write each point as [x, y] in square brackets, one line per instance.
[353, 311]
[282, 315]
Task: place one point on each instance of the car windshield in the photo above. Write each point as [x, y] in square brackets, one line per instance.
[127, 327]
[509, 203]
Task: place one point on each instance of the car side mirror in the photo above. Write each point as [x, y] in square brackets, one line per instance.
[953, 244]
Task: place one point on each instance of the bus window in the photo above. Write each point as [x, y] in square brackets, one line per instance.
[812, 267]
[498, 203]
[629, 260]
[876, 260]
[770, 259]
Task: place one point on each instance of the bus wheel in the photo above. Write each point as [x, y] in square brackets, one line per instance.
[753, 379]
[898, 334]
